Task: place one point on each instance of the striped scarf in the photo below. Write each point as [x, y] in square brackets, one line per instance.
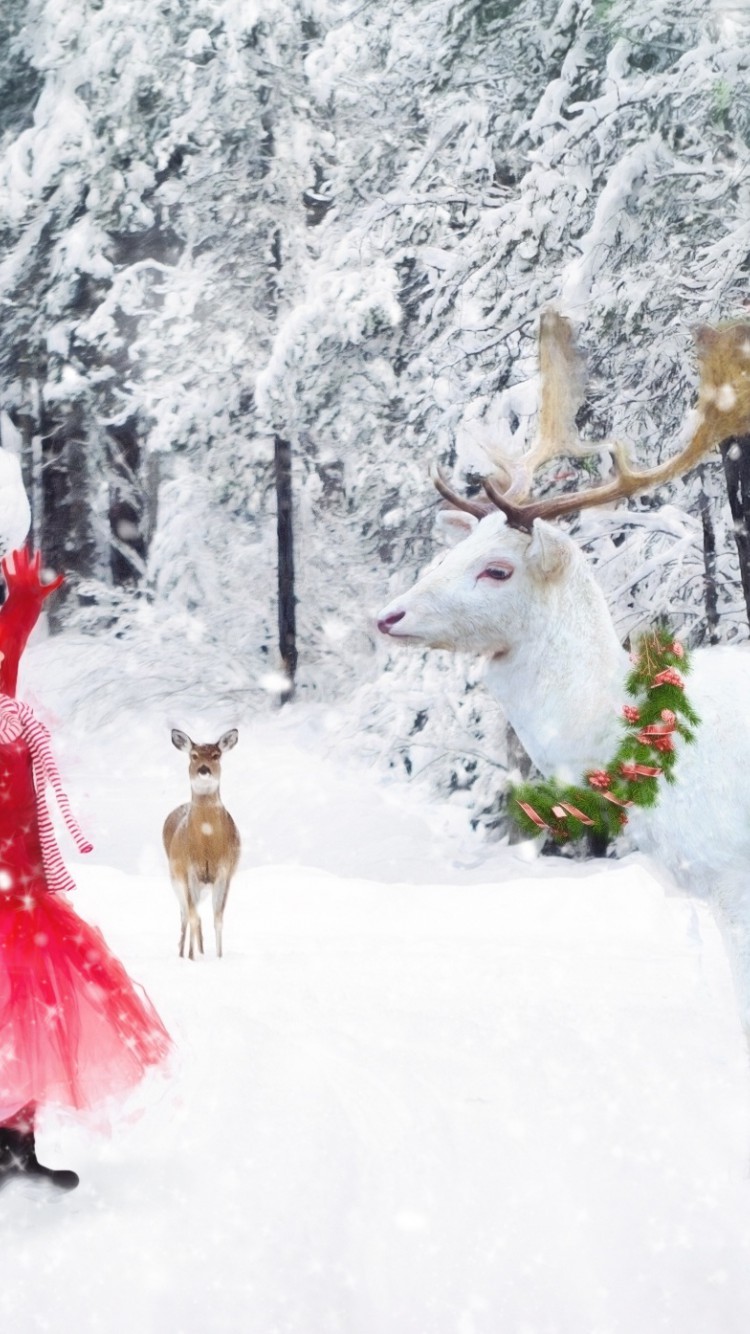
[17, 720]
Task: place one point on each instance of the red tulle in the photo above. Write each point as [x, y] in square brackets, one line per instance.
[74, 1029]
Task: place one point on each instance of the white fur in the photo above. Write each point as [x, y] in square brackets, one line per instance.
[555, 665]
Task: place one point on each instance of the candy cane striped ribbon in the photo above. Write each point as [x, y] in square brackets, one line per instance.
[17, 720]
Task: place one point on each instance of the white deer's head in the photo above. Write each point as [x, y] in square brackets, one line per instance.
[484, 594]
[517, 590]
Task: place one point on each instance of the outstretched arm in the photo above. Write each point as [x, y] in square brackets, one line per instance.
[20, 612]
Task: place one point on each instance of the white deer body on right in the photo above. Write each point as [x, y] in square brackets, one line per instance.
[530, 606]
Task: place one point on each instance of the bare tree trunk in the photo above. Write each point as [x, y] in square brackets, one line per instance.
[285, 536]
[736, 457]
[711, 592]
[29, 423]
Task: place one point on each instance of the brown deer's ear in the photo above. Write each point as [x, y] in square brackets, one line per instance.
[550, 551]
[181, 739]
[228, 740]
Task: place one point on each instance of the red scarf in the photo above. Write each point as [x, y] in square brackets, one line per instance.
[17, 720]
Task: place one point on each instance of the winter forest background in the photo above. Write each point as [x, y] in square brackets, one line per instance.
[230, 226]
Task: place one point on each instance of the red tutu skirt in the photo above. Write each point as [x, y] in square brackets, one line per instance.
[74, 1029]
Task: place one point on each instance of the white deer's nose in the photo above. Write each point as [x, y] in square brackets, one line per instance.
[386, 624]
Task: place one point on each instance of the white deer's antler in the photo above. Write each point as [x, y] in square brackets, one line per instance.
[562, 390]
[723, 413]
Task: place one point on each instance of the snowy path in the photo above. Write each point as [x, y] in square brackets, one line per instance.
[416, 1097]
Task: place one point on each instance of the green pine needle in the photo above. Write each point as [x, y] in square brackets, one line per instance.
[661, 704]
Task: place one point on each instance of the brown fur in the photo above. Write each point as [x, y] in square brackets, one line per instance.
[202, 841]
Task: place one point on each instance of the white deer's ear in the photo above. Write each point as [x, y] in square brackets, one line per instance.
[549, 554]
[181, 739]
[452, 526]
[228, 740]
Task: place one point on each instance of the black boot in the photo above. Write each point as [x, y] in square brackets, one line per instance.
[18, 1159]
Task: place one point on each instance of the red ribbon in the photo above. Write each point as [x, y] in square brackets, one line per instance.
[574, 811]
[533, 815]
[640, 771]
[663, 743]
[610, 796]
[656, 729]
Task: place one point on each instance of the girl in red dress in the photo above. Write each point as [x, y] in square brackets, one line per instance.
[74, 1029]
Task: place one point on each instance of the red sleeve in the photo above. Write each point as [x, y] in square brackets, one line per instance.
[20, 612]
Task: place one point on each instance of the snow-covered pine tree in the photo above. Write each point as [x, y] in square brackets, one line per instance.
[339, 224]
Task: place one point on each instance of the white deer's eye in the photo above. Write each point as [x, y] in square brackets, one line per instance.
[500, 572]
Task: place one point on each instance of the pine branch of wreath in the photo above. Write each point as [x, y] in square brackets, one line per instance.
[567, 812]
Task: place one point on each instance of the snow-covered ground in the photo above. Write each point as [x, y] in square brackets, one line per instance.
[434, 1087]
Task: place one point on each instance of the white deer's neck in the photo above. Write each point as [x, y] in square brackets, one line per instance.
[563, 690]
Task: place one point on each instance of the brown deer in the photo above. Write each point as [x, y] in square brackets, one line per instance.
[202, 841]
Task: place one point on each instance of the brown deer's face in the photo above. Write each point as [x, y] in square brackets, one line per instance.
[205, 761]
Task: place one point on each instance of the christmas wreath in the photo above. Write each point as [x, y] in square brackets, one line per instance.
[645, 754]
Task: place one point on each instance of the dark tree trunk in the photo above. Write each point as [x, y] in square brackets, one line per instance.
[28, 420]
[597, 845]
[127, 503]
[711, 592]
[736, 458]
[68, 531]
[285, 535]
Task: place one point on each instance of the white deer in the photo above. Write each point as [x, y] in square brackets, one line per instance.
[518, 591]
[201, 841]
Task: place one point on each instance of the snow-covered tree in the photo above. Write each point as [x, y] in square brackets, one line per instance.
[337, 224]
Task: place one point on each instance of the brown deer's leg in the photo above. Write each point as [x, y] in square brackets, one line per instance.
[181, 890]
[219, 893]
[193, 899]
